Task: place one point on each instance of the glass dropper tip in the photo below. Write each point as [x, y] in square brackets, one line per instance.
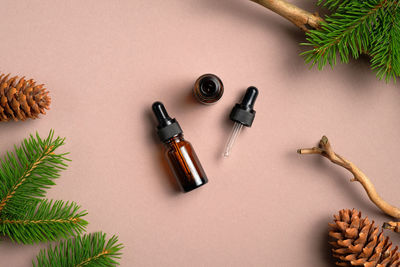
[226, 154]
[237, 127]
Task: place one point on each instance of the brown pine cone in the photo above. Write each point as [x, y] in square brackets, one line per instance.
[356, 242]
[21, 99]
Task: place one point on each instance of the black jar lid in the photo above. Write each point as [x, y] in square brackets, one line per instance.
[208, 88]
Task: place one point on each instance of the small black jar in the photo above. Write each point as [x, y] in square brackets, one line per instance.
[208, 89]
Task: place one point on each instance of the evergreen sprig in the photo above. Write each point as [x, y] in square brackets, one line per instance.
[87, 250]
[47, 220]
[24, 176]
[358, 27]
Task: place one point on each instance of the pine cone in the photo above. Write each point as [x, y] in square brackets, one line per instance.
[21, 99]
[358, 243]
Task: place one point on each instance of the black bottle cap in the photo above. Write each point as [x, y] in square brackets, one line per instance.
[208, 88]
[244, 113]
[167, 127]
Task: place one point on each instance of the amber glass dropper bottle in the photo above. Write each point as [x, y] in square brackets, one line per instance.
[179, 153]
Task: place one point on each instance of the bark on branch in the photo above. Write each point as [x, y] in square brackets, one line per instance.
[299, 17]
[325, 149]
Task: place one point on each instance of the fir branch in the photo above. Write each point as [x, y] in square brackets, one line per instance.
[354, 27]
[25, 174]
[333, 5]
[87, 250]
[43, 221]
[358, 27]
[385, 51]
[347, 32]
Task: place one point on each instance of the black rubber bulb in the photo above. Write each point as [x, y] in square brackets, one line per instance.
[249, 98]
[167, 127]
[161, 114]
[244, 112]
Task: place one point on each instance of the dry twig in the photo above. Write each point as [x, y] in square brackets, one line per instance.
[325, 149]
[299, 17]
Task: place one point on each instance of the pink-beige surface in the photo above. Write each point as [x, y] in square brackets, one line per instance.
[105, 62]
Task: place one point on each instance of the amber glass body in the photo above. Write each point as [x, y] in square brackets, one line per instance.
[184, 163]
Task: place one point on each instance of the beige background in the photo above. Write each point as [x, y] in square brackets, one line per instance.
[105, 62]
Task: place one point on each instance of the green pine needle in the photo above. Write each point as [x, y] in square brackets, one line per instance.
[44, 221]
[385, 53]
[25, 174]
[24, 177]
[87, 250]
[358, 27]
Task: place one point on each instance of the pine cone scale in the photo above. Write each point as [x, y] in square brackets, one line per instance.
[345, 243]
[351, 233]
[357, 242]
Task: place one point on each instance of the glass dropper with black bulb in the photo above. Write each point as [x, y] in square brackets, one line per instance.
[242, 114]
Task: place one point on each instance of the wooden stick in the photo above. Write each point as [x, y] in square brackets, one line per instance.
[325, 149]
[299, 17]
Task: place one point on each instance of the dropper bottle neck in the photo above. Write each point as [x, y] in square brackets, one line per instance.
[176, 139]
[167, 127]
